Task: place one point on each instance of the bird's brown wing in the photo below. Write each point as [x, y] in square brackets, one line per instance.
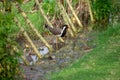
[55, 31]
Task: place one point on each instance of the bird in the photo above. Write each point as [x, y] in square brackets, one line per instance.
[58, 32]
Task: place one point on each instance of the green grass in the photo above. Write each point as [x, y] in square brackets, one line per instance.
[102, 63]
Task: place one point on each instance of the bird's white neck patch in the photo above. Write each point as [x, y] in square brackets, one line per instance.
[62, 31]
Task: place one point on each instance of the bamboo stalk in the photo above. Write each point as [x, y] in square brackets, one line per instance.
[32, 44]
[35, 30]
[73, 12]
[67, 17]
[90, 11]
[69, 30]
[24, 59]
[43, 14]
[66, 21]
[28, 39]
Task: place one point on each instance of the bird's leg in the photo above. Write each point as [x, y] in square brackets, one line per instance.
[56, 42]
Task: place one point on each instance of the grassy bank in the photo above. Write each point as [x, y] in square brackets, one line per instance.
[102, 63]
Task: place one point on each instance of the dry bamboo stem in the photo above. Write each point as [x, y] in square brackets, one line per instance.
[67, 17]
[35, 30]
[69, 30]
[73, 12]
[29, 40]
[42, 12]
[66, 21]
[32, 44]
[90, 11]
[24, 59]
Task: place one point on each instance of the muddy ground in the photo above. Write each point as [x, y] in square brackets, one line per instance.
[69, 52]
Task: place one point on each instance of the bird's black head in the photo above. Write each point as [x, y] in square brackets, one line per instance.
[66, 26]
[46, 26]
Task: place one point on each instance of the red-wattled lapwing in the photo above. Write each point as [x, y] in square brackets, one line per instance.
[58, 31]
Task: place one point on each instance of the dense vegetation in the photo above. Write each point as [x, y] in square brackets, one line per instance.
[9, 51]
[8, 47]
